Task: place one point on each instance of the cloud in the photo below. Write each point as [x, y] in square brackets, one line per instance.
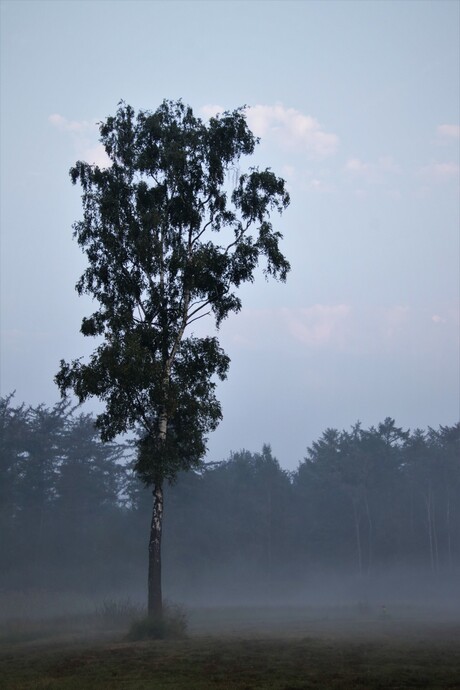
[75, 126]
[317, 181]
[355, 165]
[84, 135]
[373, 172]
[343, 329]
[211, 110]
[292, 130]
[96, 155]
[318, 185]
[440, 171]
[448, 132]
[318, 325]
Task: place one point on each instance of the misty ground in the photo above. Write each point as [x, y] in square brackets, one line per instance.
[360, 644]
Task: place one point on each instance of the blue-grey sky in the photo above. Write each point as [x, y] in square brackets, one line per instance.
[357, 106]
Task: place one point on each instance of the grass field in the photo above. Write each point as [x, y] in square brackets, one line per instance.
[237, 649]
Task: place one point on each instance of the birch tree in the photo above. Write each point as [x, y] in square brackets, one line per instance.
[171, 228]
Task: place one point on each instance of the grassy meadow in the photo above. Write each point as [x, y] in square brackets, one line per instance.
[273, 648]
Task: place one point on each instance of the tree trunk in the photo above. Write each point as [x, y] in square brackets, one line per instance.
[155, 598]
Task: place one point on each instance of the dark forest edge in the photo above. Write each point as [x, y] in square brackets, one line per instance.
[73, 514]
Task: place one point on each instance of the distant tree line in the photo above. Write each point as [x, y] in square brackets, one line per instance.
[73, 514]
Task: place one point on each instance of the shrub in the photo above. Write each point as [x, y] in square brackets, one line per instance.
[118, 612]
[171, 626]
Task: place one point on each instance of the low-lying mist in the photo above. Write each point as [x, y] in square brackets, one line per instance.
[403, 593]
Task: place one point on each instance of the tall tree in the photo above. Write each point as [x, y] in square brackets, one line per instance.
[13, 440]
[170, 229]
[88, 488]
[40, 463]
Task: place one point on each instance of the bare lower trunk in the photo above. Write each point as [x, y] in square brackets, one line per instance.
[155, 599]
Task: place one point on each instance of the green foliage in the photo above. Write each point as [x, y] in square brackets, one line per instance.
[168, 239]
[59, 484]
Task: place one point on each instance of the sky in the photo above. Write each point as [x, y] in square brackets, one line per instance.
[357, 107]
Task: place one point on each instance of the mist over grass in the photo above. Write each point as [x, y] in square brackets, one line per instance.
[322, 630]
[359, 646]
[396, 593]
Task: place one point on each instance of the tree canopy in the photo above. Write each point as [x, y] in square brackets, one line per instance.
[168, 239]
